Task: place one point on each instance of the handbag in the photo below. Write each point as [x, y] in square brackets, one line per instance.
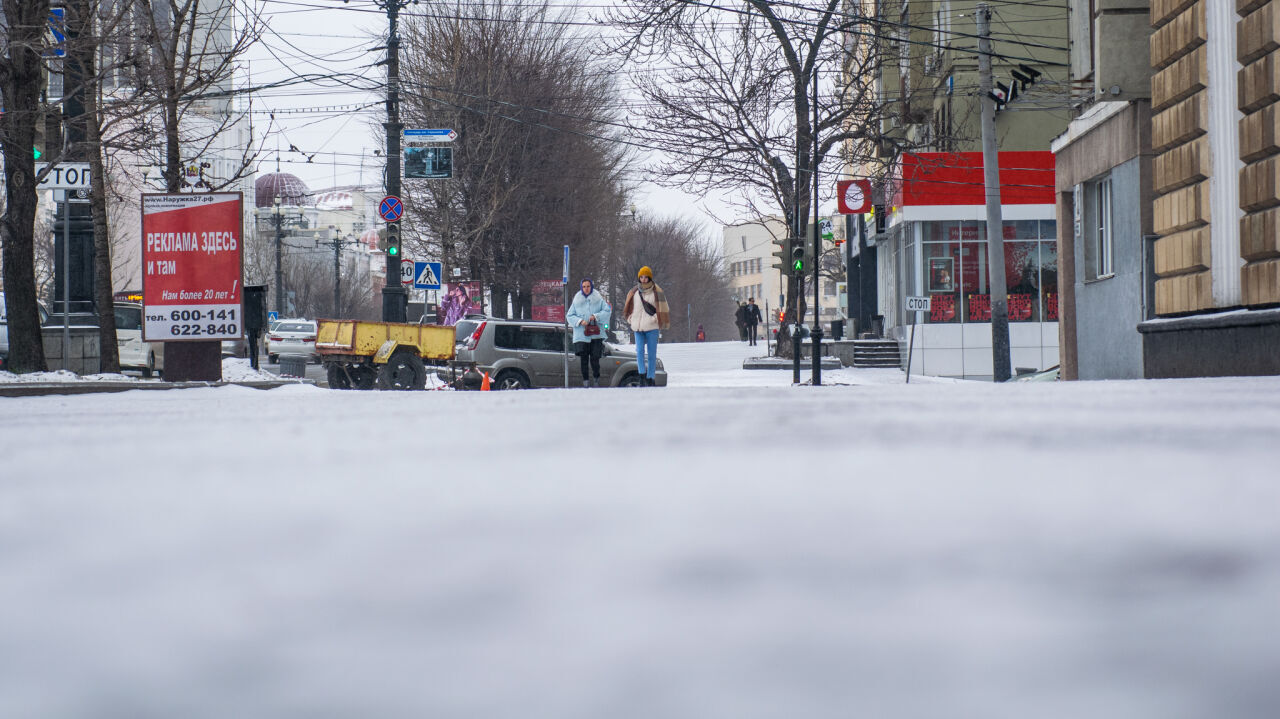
[592, 329]
[648, 308]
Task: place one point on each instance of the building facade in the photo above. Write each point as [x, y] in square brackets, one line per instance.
[931, 238]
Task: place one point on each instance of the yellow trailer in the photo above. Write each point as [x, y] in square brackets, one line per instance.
[359, 354]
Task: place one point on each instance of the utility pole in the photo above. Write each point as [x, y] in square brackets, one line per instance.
[816, 375]
[995, 226]
[279, 266]
[394, 297]
[337, 271]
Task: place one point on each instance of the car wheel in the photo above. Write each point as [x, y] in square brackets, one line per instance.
[273, 359]
[150, 368]
[338, 377]
[403, 371]
[511, 379]
[631, 380]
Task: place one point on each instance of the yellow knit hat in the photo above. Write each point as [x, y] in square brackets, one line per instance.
[645, 272]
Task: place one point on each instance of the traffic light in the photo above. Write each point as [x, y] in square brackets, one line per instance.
[797, 259]
[393, 240]
[783, 253]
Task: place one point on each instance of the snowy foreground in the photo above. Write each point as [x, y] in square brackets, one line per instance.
[726, 547]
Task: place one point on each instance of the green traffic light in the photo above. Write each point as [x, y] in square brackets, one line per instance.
[393, 250]
[798, 266]
[36, 150]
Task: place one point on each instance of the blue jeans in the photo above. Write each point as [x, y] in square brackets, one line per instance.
[647, 343]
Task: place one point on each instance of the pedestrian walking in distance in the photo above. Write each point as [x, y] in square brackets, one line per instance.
[589, 316]
[740, 319]
[753, 318]
[647, 312]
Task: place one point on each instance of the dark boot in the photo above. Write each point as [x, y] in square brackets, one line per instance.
[648, 382]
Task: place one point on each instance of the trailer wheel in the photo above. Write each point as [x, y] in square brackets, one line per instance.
[337, 376]
[365, 376]
[404, 370]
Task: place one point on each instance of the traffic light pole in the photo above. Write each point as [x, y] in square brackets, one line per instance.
[394, 296]
[816, 378]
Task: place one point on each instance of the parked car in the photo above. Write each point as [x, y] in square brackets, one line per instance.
[292, 337]
[519, 354]
[4, 331]
[136, 354]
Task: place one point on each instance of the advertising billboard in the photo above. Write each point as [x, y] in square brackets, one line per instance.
[192, 252]
[548, 300]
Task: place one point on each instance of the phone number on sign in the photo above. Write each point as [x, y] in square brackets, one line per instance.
[203, 330]
[214, 315]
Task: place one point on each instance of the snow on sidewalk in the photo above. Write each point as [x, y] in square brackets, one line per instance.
[1107, 550]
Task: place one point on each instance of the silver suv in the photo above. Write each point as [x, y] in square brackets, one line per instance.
[4, 331]
[519, 354]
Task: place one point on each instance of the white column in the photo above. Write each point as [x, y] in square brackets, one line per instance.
[1224, 138]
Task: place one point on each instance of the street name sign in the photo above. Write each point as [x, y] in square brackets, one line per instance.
[192, 262]
[427, 275]
[435, 135]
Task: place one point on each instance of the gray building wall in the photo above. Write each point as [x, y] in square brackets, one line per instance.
[1109, 310]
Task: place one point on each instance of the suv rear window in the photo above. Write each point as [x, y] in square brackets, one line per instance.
[295, 327]
[464, 329]
[523, 337]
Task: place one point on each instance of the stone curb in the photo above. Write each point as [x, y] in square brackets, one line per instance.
[40, 389]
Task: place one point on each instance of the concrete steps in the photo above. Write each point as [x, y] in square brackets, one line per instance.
[876, 353]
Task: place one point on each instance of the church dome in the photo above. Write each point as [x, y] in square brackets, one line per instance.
[291, 190]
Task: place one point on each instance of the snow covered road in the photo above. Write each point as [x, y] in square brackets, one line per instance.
[728, 546]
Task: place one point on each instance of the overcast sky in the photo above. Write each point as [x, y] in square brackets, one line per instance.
[328, 135]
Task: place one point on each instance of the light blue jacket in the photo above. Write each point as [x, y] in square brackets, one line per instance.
[584, 306]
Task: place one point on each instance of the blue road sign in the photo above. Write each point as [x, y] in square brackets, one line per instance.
[272, 316]
[426, 275]
[390, 209]
[439, 135]
[57, 29]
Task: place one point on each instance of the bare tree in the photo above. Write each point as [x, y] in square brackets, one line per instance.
[21, 80]
[535, 165]
[690, 273]
[734, 107]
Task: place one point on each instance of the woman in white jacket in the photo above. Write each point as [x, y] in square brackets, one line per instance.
[589, 316]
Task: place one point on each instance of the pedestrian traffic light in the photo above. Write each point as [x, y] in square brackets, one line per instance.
[797, 259]
[393, 240]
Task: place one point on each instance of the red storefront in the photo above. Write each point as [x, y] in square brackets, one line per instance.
[937, 247]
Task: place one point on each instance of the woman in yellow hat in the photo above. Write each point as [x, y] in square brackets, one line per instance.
[647, 312]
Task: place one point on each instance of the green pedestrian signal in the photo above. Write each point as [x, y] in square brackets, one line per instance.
[36, 150]
[797, 259]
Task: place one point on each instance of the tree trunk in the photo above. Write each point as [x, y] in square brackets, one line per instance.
[20, 82]
[109, 360]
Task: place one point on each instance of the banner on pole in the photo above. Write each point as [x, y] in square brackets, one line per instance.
[192, 264]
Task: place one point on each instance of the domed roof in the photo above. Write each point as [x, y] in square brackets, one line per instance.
[290, 190]
[371, 237]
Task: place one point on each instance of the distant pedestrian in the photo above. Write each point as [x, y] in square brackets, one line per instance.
[753, 318]
[701, 336]
[740, 319]
[647, 312]
[588, 315]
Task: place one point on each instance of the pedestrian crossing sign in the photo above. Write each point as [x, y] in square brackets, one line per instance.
[426, 275]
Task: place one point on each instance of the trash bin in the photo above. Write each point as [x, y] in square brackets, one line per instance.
[293, 365]
[837, 330]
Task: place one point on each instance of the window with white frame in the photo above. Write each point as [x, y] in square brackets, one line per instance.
[1100, 240]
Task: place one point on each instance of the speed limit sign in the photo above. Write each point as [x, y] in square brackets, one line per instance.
[406, 272]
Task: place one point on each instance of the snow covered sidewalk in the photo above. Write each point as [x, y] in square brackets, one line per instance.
[726, 547]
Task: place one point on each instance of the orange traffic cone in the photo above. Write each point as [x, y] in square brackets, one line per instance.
[484, 384]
